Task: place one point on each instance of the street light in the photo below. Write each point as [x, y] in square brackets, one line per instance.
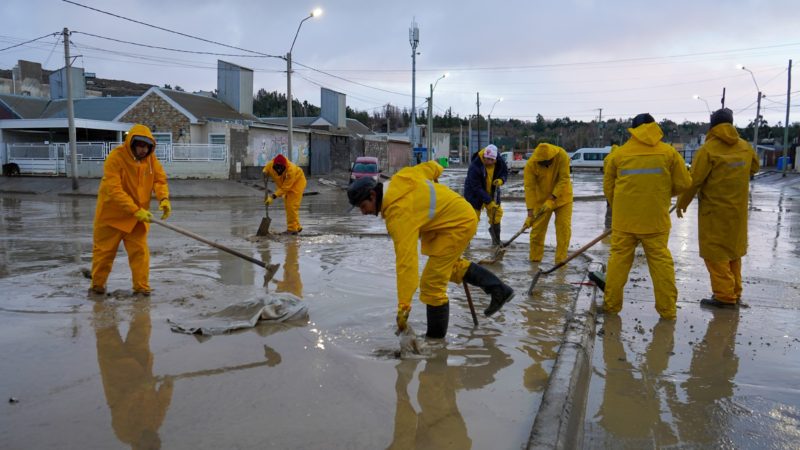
[315, 13]
[430, 116]
[489, 118]
[757, 123]
[697, 97]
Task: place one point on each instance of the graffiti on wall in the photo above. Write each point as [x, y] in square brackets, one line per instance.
[265, 146]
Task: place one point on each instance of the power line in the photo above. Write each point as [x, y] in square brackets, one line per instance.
[167, 48]
[28, 42]
[349, 81]
[171, 31]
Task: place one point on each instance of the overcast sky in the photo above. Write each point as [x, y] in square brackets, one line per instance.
[566, 58]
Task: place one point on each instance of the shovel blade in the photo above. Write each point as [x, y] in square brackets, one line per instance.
[263, 228]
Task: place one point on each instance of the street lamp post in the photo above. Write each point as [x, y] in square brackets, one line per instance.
[757, 123]
[430, 116]
[489, 118]
[316, 13]
[697, 97]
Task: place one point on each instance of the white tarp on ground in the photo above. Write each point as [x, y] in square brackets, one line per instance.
[276, 308]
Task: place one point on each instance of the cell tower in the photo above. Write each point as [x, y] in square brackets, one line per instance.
[413, 39]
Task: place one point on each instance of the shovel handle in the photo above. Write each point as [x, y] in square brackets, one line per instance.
[471, 306]
[209, 242]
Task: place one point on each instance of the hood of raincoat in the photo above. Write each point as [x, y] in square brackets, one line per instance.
[725, 132]
[544, 152]
[138, 130]
[649, 133]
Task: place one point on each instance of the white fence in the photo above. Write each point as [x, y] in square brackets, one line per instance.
[53, 159]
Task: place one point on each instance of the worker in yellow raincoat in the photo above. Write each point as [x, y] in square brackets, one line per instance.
[721, 171]
[548, 189]
[291, 182]
[640, 179]
[131, 174]
[417, 208]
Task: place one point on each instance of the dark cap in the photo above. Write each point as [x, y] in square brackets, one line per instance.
[360, 190]
[642, 119]
[719, 116]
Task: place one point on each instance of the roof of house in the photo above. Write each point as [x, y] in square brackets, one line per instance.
[94, 108]
[97, 108]
[303, 122]
[24, 106]
[354, 126]
[203, 107]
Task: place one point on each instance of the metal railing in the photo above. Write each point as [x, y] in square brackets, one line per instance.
[51, 158]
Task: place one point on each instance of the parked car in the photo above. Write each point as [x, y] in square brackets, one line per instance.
[365, 166]
[455, 160]
[514, 165]
[589, 157]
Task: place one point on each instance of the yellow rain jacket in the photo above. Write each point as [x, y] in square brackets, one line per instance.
[128, 184]
[415, 208]
[721, 171]
[640, 178]
[542, 182]
[293, 179]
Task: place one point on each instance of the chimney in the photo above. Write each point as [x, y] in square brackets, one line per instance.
[333, 107]
[235, 86]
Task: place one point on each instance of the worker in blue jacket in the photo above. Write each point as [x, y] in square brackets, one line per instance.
[486, 174]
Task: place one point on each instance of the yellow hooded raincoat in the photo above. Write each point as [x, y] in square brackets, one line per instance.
[416, 207]
[127, 186]
[640, 179]
[291, 186]
[721, 171]
[545, 183]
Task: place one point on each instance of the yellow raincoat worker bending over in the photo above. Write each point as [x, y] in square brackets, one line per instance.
[640, 179]
[548, 189]
[721, 171]
[131, 174]
[417, 208]
[291, 182]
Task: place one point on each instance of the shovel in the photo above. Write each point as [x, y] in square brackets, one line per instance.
[495, 237]
[271, 268]
[263, 228]
[572, 256]
[501, 249]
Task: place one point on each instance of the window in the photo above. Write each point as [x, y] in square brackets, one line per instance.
[216, 139]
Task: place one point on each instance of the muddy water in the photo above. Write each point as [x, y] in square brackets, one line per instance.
[713, 378]
[111, 374]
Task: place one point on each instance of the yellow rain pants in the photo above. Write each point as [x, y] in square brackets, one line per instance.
[495, 216]
[563, 233]
[106, 243]
[726, 279]
[659, 261]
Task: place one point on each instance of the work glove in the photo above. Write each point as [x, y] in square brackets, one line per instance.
[529, 220]
[498, 182]
[166, 208]
[269, 198]
[402, 316]
[679, 212]
[548, 206]
[143, 215]
[491, 207]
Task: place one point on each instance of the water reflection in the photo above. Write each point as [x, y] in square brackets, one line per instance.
[702, 419]
[138, 400]
[631, 408]
[291, 281]
[439, 423]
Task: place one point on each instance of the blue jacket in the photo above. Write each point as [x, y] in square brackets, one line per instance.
[475, 183]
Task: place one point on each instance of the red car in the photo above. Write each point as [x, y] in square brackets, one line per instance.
[365, 166]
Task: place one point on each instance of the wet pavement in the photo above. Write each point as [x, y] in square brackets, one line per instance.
[111, 374]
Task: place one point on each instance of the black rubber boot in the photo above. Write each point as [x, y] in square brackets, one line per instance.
[501, 293]
[496, 231]
[599, 278]
[438, 318]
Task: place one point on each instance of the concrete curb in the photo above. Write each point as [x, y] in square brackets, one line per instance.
[559, 421]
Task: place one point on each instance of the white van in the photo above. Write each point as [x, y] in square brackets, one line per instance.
[589, 157]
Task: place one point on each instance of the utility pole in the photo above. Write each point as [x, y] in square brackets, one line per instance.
[413, 39]
[430, 125]
[723, 98]
[469, 140]
[599, 128]
[786, 124]
[478, 121]
[73, 145]
[388, 105]
[460, 138]
[757, 123]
